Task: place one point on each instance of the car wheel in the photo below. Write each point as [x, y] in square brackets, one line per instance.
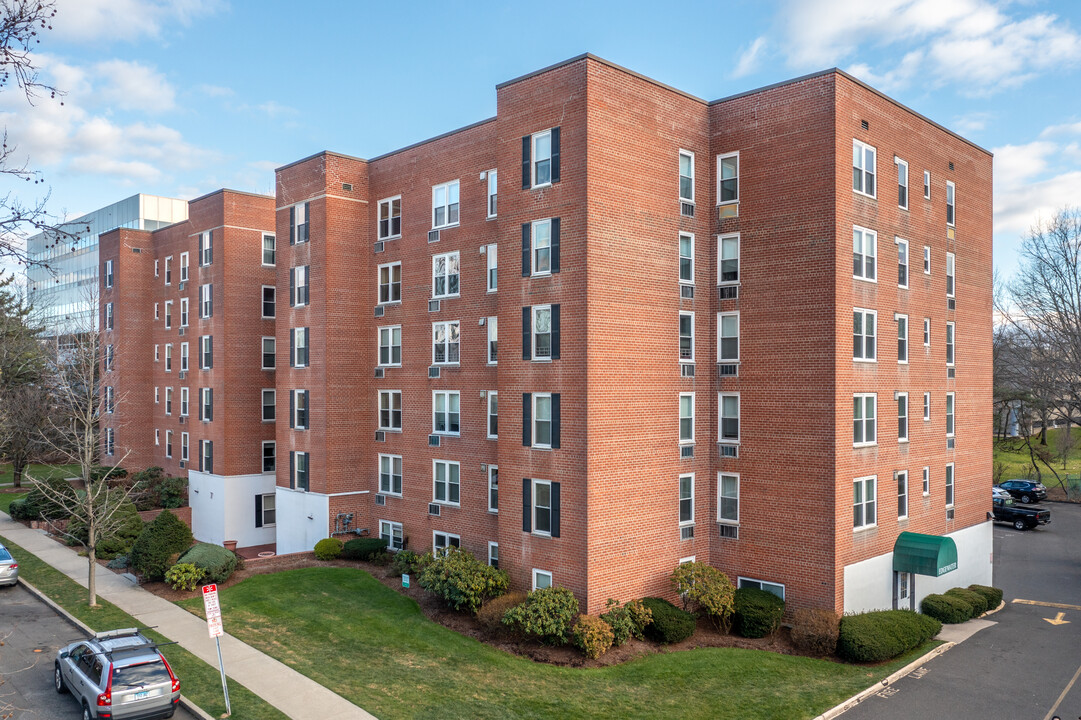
[1026, 499]
[58, 679]
[86, 712]
[1020, 525]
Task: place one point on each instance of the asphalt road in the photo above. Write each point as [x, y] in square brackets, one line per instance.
[31, 633]
[1022, 667]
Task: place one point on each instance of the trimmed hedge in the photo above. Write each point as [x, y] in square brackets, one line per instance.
[992, 594]
[815, 630]
[547, 615]
[947, 609]
[670, 624]
[405, 562]
[122, 541]
[883, 634]
[215, 561]
[363, 548]
[758, 612]
[627, 620]
[328, 549]
[592, 636]
[973, 598]
[160, 543]
[462, 581]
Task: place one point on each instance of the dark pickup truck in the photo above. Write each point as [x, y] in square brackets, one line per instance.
[1022, 518]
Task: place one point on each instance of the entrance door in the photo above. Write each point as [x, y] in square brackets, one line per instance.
[903, 596]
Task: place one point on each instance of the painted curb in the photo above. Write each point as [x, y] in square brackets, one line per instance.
[184, 702]
[886, 682]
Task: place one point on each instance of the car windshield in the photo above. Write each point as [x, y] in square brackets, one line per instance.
[4, 554]
[132, 676]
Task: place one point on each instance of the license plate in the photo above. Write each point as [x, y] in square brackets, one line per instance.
[142, 695]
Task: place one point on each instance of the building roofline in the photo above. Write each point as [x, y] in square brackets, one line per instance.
[470, 126]
[228, 190]
[321, 153]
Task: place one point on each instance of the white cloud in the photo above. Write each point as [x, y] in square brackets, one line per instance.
[128, 20]
[971, 123]
[275, 109]
[215, 90]
[971, 43]
[1065, 129]
[132, 86]
[751, 58]
[1031, 181]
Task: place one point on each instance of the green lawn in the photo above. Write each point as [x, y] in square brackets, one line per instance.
[7, 498]
[350, 633]
[38, 471]
[1014, 456]
[198, 680]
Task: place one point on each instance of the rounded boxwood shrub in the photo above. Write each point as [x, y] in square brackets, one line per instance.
[670, 624]
[328, 549]
[159, 544]
[993, 595]
[547, 615]
[948, 609]
[758, 612]
[490, 615]
[883, 634]
[709, 589]
[815, 630]
[405, 562]
[121, 542]
[462, 581]
[592, 636]
[363, 548]
[973, 598]
[627, 620]
[216, 562]
[184, 576]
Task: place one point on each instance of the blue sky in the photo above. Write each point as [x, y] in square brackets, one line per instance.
[181, 97]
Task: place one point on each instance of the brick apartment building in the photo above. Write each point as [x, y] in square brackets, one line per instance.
[740, 383]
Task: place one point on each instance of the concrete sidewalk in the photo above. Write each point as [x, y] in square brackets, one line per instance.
[294, 694]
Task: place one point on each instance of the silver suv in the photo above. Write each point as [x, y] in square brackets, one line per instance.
[119, 675]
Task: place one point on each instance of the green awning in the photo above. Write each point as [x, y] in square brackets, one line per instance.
[924, 554]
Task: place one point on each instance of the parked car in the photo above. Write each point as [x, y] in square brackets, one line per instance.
[1022, 518]
[1024, 490]
[9, 569]
[119, 674]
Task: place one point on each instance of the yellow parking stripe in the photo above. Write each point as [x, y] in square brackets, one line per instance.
[1064, 606]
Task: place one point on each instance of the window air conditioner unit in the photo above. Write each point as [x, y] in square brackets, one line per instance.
[433, 306]
[686, 370]
[483, 249]
[433, 509]
[484, 467]
[686, 451]
[433, 441]
[347, 187]
[380, 436]
[686, 291]
[727, 370]
[183, 464]
[182, 420]
[379, 372]
[380, 499]
[378, 247]
[183, 331]
[951, 373]
[728, 292]
[686, 209]
[182, 375]
[379, 311]
[181, 287]
[433, 236]
[728, 450]
[950, 443]
[433, 372]
[949, 513]
[728, 531]
[951, 303]
[686, 533]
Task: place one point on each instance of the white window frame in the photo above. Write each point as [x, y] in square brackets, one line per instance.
[721, 316]
[169, 400]
[535, 249]
[184, 446]
[205, 396]
[690, 316]
[184, 275]
[157, 395]
[491, 348]
[157, 352]
[493, 473]
[156, 266]
[386, 332]
[951, 204]
[689, 258]
[951, 414]
[204, 345]
[157, 311]
[297, 395]
[686, 439]
[534, 505]
[536, 159]
[926, 184]
[273, 406]
[542, 573]
[534, 334]
[927, 407]
[390, 395]
[206, 299]
[157, 438]
[951, 343]
[263, 507]
[204, 249]
[491, 277]
[927, 332]
[721, 497]
[184, 312]
[493, 545]
[535, 422]
[185, 401]
[108, 274]
[273, 250]
[899, 396]
[868, 241]
[168, 443]
[301, 219]
[926, 259]
[168, 357]
[294, 480]
[902, 337]
[449, 327]
[448, 259]
[690, 156]
[492, 399]
[746, 582]
[864, 314]
[864, 523]
[926, 481]
[169, 270]
[861, 148]
[273, 445]
[388, 488]
[951, 278]
[720, 178]
[902, 250]
[901, 165]
[263, 352]
[871, 422]
[388, 203]
[262, 302]
[389, 284]
[184, 357]
[447, 396]
[301, 281]
[720, 414]
[395, 534]
[447, 206]
[447, 465]
[950, 485]
[679, 514]
[720, 258]
[300, 333]
[493, 193]
[168, 314]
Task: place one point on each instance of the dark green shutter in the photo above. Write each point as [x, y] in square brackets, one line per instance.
[258, 511]
[555, 509]
[527, 332]
[555, 245]
[555, 421]
[555, 332]
[307, 221]
[527, 505]
[292, 287]
[527, 419]
[292, 417]
[292, 230]
[292, 468]
[526, 241]
[292, 347]
[555, 155]
[526, 174]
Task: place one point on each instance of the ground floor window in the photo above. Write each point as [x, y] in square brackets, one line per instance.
[541, 579]
[391, 534]
[775, 588]
[493, 554]
[442, 541]
[265, 510]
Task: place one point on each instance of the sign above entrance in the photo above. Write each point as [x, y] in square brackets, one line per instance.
[932, 555]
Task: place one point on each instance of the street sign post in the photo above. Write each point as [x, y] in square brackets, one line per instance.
[213, 624]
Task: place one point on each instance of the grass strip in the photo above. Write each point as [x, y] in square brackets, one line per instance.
[199, 681]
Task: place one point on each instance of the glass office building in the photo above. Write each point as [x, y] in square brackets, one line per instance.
[62, 278]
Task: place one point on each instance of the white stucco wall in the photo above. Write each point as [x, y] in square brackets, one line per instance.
[223, 508]
[869, 584]
[303, 519]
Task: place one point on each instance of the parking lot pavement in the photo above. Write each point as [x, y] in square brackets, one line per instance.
[31, 633]
[1027, 664]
